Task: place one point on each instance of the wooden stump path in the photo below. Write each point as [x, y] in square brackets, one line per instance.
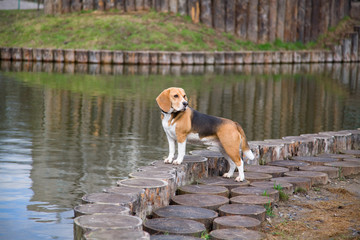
[202, 215]
[202, 201]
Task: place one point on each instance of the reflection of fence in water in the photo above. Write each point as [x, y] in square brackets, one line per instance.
[342, 71]
[272, 101]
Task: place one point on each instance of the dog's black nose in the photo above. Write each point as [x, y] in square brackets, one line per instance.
[185, 104]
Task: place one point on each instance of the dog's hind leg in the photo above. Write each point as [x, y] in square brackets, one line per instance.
[232, 165]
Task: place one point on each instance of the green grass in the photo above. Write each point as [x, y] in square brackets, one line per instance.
[282, 195]
[115, 31]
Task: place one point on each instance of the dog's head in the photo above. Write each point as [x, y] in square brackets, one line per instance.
[172, 100]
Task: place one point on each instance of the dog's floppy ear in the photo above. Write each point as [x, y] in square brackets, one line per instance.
[163, 100]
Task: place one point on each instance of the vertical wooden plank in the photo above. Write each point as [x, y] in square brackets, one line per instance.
[182, 7]
[252, 33]
[147, 4]
[87, 5]
[324, 16]
[173, 6]
[280, 20]
[99, 5]
[219, 14]
[347, 7]
[272, 19]
[139, 5]
[332, 13]
[206, 12]
[301, 20]
[315, 19]
[242, 18]
[308, 20]
[66, 6]
[120, 5]
[287, 21]
[194, 10]
[109, 4]
[341, 8]
[164, 5]
[263, 21]
[230, 16]
[130, 5]
[294, 21]
[57, 6]
[48, 7]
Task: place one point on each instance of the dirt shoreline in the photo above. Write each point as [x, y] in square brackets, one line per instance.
[329, 211]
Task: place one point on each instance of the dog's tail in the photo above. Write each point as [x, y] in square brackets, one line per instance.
[244, 144]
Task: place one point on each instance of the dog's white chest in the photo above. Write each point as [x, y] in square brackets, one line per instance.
[169, 128]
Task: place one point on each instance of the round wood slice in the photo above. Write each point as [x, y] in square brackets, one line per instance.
[252, 199]
[221, 181]
[288, 188]
[180, 171]
[109, 198]
[340, 157]
[332, 172]
[131, 191]
[204, 189]
[272, 170]
[88, 209]
[254, 211]
[157, 193]
[167, 177]
[197, 168]
[173, 237]
[202, 215]
[315, 177]
[259, 191]
[206, 153]
[236, 234]
[135, 193]
[317, 161]
[95, 222]
[346, 167]
[356, 153]
[167, 169]
[292, 165]
[174, 226]
[217, 164]
[297, 182]
[142, 183]
[236, 221]
[212, 202]
[257, 177]
[117, 234]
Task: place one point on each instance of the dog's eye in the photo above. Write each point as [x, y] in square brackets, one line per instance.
[184, 96]
[176, 96]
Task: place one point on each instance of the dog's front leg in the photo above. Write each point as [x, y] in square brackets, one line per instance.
[181, 152]
[171, 141]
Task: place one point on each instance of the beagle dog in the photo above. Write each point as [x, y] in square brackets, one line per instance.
[182, 123]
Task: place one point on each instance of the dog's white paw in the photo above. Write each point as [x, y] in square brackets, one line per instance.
[227, 175]
[168, 160]
[239, 179]
[177, 162]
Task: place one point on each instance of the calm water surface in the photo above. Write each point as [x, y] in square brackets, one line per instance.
[68, 130]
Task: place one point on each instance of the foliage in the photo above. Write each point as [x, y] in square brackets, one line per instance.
[118, 31]
[282, 195]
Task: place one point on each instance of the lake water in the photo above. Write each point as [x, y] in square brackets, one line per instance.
[68, 130]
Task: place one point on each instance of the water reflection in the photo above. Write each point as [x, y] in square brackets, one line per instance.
[66, 130]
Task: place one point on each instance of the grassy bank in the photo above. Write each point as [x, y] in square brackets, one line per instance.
[115, 31]
[136, 31]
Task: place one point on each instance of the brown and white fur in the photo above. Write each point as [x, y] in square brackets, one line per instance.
[182, 123]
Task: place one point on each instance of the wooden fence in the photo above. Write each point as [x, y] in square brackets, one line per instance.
[254, 20]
